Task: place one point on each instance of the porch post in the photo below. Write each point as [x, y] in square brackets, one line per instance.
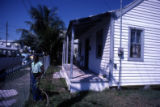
[72, 51]
[63, 54]
[67, 51]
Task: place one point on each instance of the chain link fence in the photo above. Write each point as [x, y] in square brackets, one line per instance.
[15, 81]
[15, 86]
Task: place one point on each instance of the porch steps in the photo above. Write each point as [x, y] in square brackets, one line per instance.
[82, 81]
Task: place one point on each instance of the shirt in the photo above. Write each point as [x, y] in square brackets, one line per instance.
[36, 67]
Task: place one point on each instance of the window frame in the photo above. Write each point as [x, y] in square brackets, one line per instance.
[102, 31]
[141, 59]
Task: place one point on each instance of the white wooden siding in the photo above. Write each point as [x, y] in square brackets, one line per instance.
[146, 16]
[96, 65]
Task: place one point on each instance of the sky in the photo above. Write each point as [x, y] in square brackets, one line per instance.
[15, 12]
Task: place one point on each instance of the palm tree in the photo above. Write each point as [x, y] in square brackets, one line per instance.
[46, 27]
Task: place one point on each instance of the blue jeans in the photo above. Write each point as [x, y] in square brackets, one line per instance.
[35, 90]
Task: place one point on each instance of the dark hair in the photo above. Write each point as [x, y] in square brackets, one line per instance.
[36, 58]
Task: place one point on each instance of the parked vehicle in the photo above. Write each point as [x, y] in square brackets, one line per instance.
[9, 58]
[25, 58]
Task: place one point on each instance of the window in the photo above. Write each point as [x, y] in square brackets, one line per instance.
[136, 44]
[99, 43]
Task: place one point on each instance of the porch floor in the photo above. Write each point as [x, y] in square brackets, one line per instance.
[83, 76]
[82, 80]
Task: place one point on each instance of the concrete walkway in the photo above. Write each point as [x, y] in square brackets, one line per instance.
[15, 89]
[57, 75]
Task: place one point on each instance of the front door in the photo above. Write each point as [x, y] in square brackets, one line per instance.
[86, 53]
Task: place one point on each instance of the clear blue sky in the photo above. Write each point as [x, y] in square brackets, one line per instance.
[16, 11]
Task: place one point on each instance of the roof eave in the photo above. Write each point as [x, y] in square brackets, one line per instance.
[76, 21]
[127, 8]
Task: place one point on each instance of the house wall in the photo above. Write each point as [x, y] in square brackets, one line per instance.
[95, 64]
[145, 16]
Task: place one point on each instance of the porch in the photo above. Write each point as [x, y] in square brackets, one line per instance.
[77, 79]
[83, 81]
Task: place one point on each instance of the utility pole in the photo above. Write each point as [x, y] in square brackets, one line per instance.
[6, 33]
[120, 48]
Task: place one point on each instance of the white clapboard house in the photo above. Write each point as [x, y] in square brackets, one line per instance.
[108, 59]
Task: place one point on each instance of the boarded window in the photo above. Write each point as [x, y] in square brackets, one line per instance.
[99, 43]
[136, 44]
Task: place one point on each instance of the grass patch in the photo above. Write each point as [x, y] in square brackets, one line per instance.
[59, 96]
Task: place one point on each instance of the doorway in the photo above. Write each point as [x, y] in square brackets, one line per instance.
[87, 48]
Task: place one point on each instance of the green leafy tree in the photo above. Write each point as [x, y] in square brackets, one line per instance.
[46, 32]
[28, 39]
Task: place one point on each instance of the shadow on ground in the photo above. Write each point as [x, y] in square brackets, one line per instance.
[78, 97]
